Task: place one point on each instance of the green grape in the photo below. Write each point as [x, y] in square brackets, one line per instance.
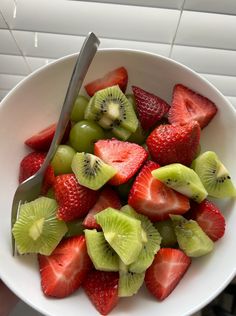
[167, 232]
[50, 194]
[79, 107]
[139, 136]
[62, 159]
[75, 228]
[84, 134]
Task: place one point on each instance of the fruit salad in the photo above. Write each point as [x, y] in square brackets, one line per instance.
[127, 199]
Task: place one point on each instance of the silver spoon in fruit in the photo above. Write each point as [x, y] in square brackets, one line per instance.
[30, 188]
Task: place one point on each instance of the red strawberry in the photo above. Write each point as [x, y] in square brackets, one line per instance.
[167, 269]
[107, 198]
[74, 200]
[125, 157]
[117, 76]
[209, 218]
[188, 105]
[174, 143]
[30, 164]
[152, 198]
[65, 269]
[150, 107]
[102, 289]
[41, 141]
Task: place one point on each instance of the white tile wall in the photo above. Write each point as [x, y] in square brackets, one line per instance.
[220, 6]
[8, 44]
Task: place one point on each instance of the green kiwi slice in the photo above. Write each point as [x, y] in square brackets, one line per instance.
[167, 232]
[151, 241]
[122, 232]
[100, 252]
[37, 229]
[182, 179]
[214, 175]
[112, 108]
[129, 282]
[191, 238]
[91, 171]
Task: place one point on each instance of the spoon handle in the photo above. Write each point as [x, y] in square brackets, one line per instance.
[82, 64]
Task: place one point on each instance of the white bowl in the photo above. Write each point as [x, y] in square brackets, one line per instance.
[35, 103]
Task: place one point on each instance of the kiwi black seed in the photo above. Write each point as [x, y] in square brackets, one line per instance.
[91, 171]
[214, 175]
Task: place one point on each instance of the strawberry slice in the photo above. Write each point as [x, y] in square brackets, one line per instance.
[41, 141]
[117, 76]
[107, 198]
[167, 269]
[102, 289]
[74, 200]
[125, 157]
[65, 269]
[150, 107]
[209, 218]
[188, 105]
[152, 198]
[174, 143]
[30, 164]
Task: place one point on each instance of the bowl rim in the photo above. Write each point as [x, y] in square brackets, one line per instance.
[120, 50]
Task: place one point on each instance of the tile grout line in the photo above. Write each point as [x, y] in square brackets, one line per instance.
[17, 45]
[176, 31]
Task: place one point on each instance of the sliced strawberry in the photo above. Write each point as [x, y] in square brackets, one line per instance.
[167, 269]
[125, 157]
[74, 200]
[152, 198]
[188, 105]
[174, 143]
[102, 289]
[41, 141]
[65, 269]
[209, 218]
[49, 179]
[30, 164]
[107, 198]
[150, 107]
[117, 76]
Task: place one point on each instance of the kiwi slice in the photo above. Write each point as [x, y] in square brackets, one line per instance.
[91, 171]
[214, 176]
[100, 252]
[191, 238]
[75, 228]
[37, 229]
[88, 114]
[167, 232]
[122, 232]
[129, 282]
[151, 241]
[121, 133]
[182, 179]
[112, 108]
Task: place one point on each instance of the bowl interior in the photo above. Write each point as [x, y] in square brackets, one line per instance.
[36, 102]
